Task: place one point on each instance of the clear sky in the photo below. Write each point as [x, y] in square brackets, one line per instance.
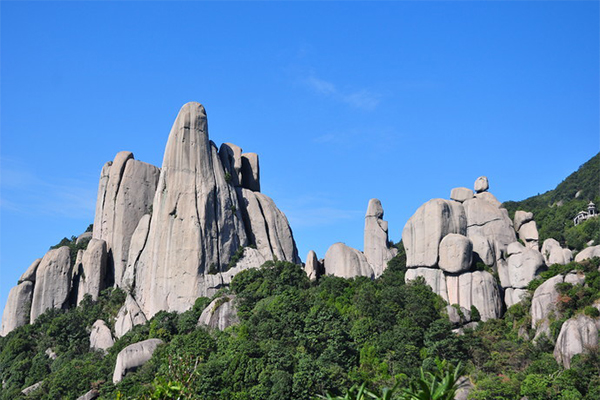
[342, 101]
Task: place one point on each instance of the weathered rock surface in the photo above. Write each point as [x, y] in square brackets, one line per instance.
[376, 244]
[577, 335]
[477, 288]
[456, 253]
[434, 277]
[490, 198]
[52, 282]
[522, 217]
[129, 315]
[514, 296]
[124, 196]
[101, 337]
[458, 318]
[220, 314]
[136, 246]
[250, 172]
[134, 356]
[32, 388]
[16, 310]
[481, 184]
[522, 268]
[545, 297]
[91, 395]
[483, 249]
[425, 230]
[588, 252]
[553, 253]
[529, 234]
[85, 236]
[196, 223]
[92, 270]
[29, 275]
[231, 158]
[346, 262]
[312, 267]
[461, 194]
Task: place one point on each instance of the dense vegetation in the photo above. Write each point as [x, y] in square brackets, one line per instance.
[554, 210]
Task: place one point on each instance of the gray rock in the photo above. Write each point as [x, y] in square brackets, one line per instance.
[101, 337]
[346, 262]
[477, 289]
[515, 248]
[92, 271]
[134, 356]
[231, 158]
[523, 268]
[250, 172]
[545, 298]
[52, 282]
[129, 316]
[220, 314]
[29, 275]
[514, 296]
[85, 236]
[32, 388]
[433, 277]
[457, 318]
[577, 335]
[425, 230]
[136, 246]
[456, 253]
[529, 234]
[490, 198]
[196, 224]
[91, 395]
[376, 244]
[553, 253]
[16, 310]
[483, 249]
[461, 194]
[588, 252]
[313, 266]
[522, 217]
[481, 184]
[568, 255]
[464, 388]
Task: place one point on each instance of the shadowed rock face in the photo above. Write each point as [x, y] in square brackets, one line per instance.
[52, 282]
[220, 314]
[577, 335]
[92, 270]
[346, 262]
[17, 307]
[134, 356]
[376, 245]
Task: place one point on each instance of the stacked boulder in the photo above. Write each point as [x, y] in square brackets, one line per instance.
[456, 245]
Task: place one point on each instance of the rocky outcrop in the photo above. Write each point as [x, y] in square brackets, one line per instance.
[481, 184]
[425, 230]
[231, 158]
[528, 233]
[483, 250]
[134, 356]
[312, 267]
[433, 277]
[125, 193]
[513, 296]
[250, 172]
[29, 275]
[84, 237]
[377, 250]
[129, 316]
[554, 254]
[456, 253]
[457, 315]
[346, 262]
[522, 217]
[101, 337]
[30, 389]
[91, 395]
[52, 282]
[91, 272]
[220, 314]
[136, 246]
[577, 335]
[461, 194]
[588, 252]
[16, 310]
[477, 289]
[521, 268]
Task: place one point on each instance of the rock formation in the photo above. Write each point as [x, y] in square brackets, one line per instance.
[134, 356]
[554, 254]
[250, 172]
[346, 262]
[16, 310]
[577, 335]
[52, 282]
[129, 316]
[588, 252]
[313, 267]
[481, 184]
[456, 253]
[91, 270]
[461, 194]
[377, 247]
[221, 313]
[101, 337]
[29, 275]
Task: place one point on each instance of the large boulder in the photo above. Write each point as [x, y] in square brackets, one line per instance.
[477, 289]
[522, 217]
[136, 246]
[433, 277]
[490, 198]
[250, 172]
[220, 314]
[346, 262]
[514, 296]
[90, 395]
[231, 158]
[522, 268]
[377, 247]
[528, 233]
[125, 194]
[101, 337]
[312, 267]
[577, 335]
[128, 316]
[92, 270]
[425, 230]
[481, 184]
[456, 253]
[461, 194]
[52, 282]
[16, 310]
[483, 249]
[29, 275]
[196, 224]
[553, 253]
[588, 252]
[134, 356]
[84, 237]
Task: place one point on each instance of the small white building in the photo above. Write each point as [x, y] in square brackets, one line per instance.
[584, 215]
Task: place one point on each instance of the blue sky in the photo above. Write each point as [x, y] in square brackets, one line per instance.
[343, 102]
